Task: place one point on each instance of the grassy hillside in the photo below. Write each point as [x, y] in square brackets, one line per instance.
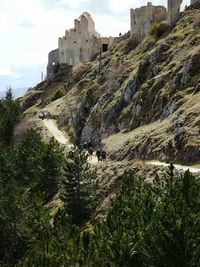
[141, 101]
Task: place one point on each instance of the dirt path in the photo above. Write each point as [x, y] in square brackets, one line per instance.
[61, 138]
[58, 135]
[177, 166]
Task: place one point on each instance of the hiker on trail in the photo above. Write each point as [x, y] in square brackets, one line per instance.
[89, 145]
[46, 114]
[99, 154]
[41, 115]
[84, 146]
[90, 149]
[103, 155]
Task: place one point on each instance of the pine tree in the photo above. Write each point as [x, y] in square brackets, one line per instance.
[40, 164]
[52, 164]
[10, 112]
[172, 236]
[78, 187]
[29, 161]
[12, 232]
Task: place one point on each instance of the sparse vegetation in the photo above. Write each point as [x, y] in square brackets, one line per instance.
[157, 29]
[57, 95]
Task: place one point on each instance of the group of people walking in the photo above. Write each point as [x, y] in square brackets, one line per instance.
[100, 153]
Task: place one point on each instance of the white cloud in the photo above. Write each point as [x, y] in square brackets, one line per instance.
[6, 71]
[121, 6]
[74, 3]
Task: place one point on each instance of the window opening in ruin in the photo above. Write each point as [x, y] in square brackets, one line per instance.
[74, 30]
[105, 47]
[86, 41]
[74, 42]
[81, 55]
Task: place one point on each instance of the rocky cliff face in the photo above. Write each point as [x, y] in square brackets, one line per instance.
[141, 102]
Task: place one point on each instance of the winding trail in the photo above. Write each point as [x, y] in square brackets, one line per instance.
[58, 135]
[177, 166]
[62, 139]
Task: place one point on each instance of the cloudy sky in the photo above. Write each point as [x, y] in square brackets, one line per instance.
[29, 29]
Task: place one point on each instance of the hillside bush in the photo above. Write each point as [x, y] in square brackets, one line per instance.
[157, 29]
[59, 93]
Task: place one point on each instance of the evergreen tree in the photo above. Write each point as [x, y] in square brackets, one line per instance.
[172, 236]
[78, 187]
[40, 165]
[52, 165]
[10, 112]
[30, 157]
[13, 237]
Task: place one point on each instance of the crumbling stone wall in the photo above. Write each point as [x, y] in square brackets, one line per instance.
[53, 59]
[142, 17]
[82, 42]
[173, 11]
[79, 44]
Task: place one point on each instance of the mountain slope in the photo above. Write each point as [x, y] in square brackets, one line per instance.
[142, 102]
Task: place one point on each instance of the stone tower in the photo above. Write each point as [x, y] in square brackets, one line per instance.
[173, 11]
[142, 17]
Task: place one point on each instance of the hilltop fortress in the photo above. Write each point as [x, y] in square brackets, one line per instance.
[79, 44]
[82, 43]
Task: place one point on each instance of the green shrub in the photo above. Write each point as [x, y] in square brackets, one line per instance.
[157, 29]
[57, 95]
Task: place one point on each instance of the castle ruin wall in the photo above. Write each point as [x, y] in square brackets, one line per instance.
[142, 17]
[80, 43]
[173, 11]
[53, 59]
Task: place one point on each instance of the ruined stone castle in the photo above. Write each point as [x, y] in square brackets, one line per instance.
[79, 44]
[82, 43]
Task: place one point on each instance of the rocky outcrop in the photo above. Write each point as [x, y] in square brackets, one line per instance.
[147, 95]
